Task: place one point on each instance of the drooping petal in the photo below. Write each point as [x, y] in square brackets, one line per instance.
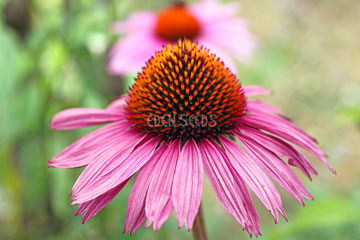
[163, 216]
[114, 166]
[278, 146]
[83, 117]
[254, 226]
[254, 177]
[187, 186]
[106, 159]
[84, 150]
[92, 207]
[275, 167]
[252, 91]
[135, 212]
[287, 131]
[159, 193]
[283, 124]
[257, 105]
[232, 193]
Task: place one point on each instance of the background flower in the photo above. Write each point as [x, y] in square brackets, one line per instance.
[214, 24]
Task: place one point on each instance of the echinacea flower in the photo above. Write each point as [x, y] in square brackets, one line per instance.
[186, 115]
[208, 22]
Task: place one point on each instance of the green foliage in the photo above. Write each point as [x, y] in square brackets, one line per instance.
[326, 217]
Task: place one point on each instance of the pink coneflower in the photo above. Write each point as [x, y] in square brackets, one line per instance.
[185, 115]
[214, 25]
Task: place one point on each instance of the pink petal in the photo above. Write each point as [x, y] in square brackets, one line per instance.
[219, 52]
[163, 216]
[137, 21]
[84, 150]
[254, 177]
[284, 129]
[187, 185]
[118, 103]
[159, 193]
[211, 11]
[122, 147]
[83, 117]
[223, 31]
[135, 213]
[231, 36]
[252, 91]
[130, 53]
[259, 106]
[254, 225]
[114, 166]
[278, 146]
[232, 193]
[92, 207]
[283, 123]
[275, 167]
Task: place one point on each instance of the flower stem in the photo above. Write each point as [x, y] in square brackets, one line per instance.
[199, 229]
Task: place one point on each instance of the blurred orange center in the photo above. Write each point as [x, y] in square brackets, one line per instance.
[176, 22]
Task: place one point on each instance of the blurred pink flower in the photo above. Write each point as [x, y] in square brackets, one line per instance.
[208, 22]
[172, 154]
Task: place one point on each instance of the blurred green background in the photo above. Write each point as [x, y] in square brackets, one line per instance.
[54, 57]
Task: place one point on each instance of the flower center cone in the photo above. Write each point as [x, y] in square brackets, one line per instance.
[184, 91]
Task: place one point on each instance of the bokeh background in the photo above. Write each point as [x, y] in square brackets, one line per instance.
[53, 56]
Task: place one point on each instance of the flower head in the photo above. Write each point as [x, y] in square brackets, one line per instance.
[215, 25]
[185, 115]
